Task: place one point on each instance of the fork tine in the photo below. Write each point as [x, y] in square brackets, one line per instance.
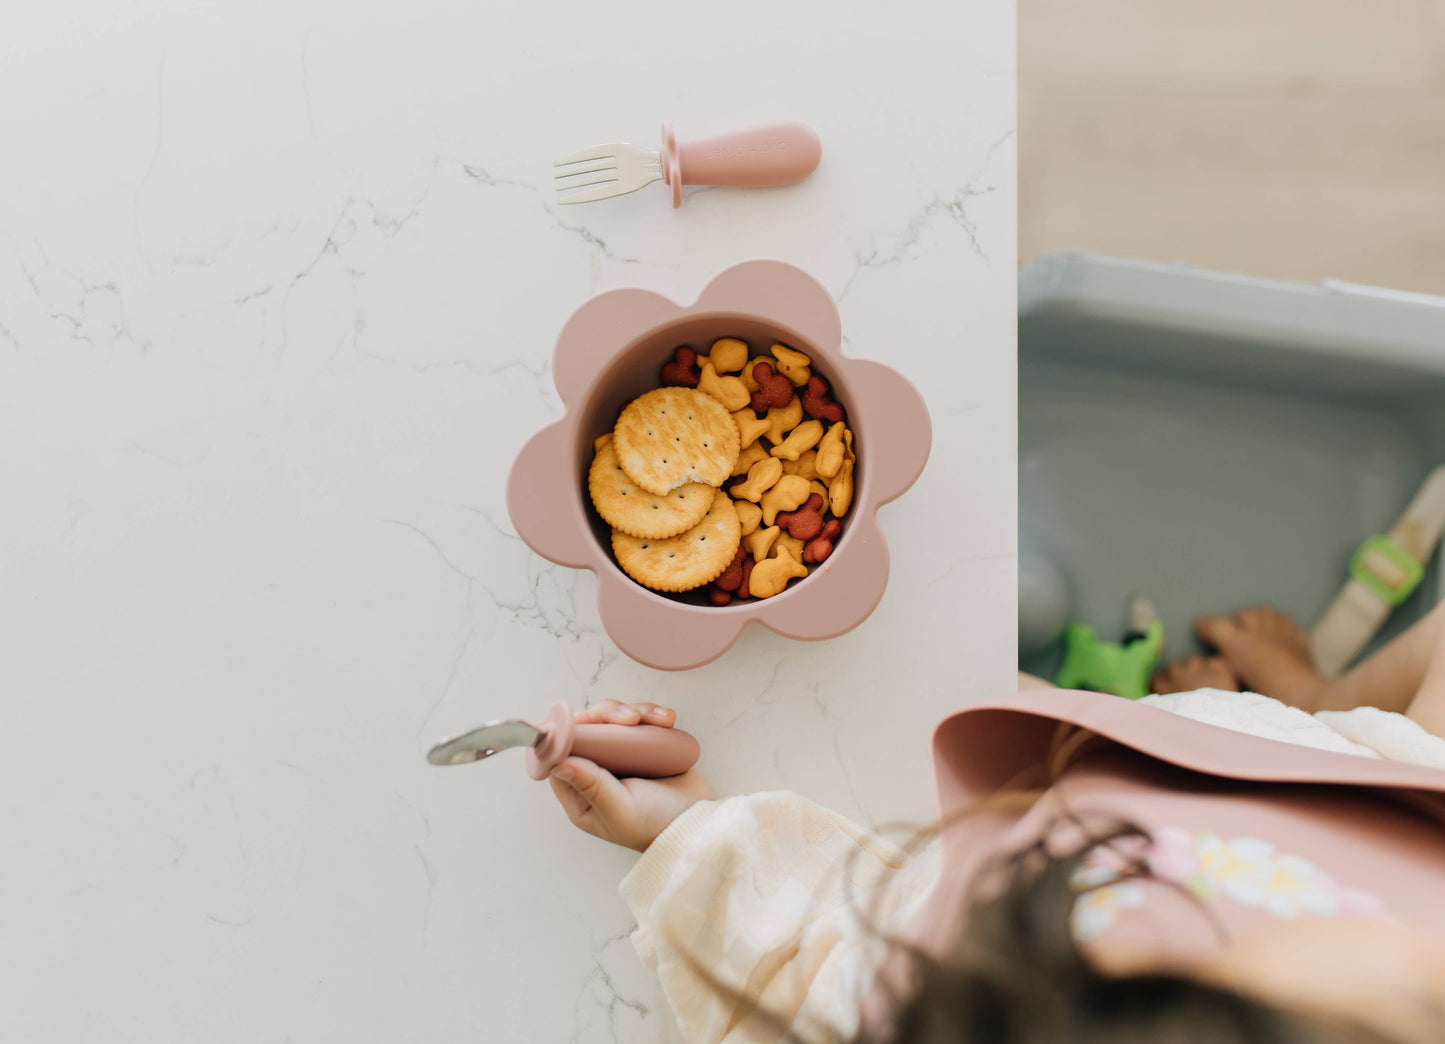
[610, 188]
[595, 152]
[586, 167]
[601, 177]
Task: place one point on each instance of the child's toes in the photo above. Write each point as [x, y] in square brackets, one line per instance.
[1214, 673]
[1215, 631]
[1170, 679]
[1266, 622]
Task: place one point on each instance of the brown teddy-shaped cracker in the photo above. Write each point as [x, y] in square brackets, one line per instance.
[682, 372]
[773, 388]
[817, 402]
[807, 521]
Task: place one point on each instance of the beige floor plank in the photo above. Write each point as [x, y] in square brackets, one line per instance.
[1250, 137]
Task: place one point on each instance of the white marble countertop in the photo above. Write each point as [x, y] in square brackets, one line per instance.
[279, 284]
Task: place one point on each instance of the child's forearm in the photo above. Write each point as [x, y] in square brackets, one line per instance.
[1428, 706]
[1392, 677]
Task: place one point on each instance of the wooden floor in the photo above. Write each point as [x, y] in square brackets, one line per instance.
[1301, 139]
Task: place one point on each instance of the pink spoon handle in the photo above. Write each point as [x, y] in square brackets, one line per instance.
[648, 751]
[759, 156]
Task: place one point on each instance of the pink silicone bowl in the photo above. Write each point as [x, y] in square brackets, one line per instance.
[609, 352]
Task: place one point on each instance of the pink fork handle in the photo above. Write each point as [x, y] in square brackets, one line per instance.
[649, 751]
[759, 156]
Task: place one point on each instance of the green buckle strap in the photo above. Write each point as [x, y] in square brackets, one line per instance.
[1391, 594]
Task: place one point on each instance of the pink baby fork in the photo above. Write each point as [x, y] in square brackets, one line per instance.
[759, 156]
[649, 751]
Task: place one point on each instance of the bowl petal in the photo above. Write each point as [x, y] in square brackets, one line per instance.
[608, 320]
[549, 505]
[833, 600]
[896, 451]
[661, 633]
[543, 502]
[783, 293]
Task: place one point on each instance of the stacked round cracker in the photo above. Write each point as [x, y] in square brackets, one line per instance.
[657, 478]
[656, 483]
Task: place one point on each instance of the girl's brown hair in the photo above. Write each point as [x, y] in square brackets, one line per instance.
[1016, 975]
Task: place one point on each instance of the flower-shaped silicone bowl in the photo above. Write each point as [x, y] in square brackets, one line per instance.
[609, 352]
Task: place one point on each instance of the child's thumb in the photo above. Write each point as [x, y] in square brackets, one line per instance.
[595, 785]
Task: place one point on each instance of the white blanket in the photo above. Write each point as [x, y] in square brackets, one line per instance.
[1366, 731]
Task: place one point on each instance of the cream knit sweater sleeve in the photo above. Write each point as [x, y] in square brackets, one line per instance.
[777, 899]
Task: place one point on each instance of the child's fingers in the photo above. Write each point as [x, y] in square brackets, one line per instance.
[655, 715]
[608, 712]
[597, 789]
[573, 803]
[612, 712]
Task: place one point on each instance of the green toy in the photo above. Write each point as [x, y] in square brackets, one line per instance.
[1123, 669]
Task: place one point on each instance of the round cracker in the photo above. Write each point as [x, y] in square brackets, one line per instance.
[625, 506]
[671, 436]
[687, 560]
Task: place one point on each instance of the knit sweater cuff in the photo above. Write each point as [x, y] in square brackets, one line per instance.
[644, 884]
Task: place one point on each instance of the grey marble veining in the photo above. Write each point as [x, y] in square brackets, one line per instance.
[278, 291]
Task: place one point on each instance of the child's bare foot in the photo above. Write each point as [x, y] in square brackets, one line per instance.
[1195, 672]
[1268, 652]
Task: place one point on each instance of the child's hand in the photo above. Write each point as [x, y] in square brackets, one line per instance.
[628, 812]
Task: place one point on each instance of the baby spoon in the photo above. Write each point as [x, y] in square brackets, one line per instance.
[649, 751]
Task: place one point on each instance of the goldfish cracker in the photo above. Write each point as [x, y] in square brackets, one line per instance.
[749, 456]
[760, 541]
[787, 493]
[783, 419]
[750, 515]
[788, 545]
[792, 364]
[727, 390]
[806, 465]
[840, 489]
[762, 476]
[728, 355]
[830, 451]
[750, 425]
[801, 439]
[770, 577]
